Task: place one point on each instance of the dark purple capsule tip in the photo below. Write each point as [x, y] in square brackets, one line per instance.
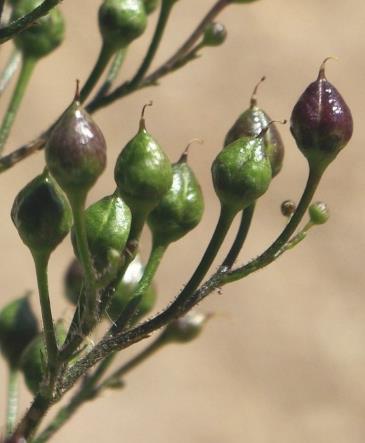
[321, 121]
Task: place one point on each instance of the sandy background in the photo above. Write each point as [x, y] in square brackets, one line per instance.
[284, 358]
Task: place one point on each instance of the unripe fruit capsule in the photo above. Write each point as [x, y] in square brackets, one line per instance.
[215, 34]
[321, 122]
[186, 328]
[318, 213]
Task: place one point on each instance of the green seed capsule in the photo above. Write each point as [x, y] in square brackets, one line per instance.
[73, 281]
[42, 214]
[108, 223]
[318, 213]
[215, 34]
[241, 173]
[76, 151]
[43, 36]
[121, 21]
[150, 5]
[33, 359]
[142, 172]
[181, 209]
[252, 122]
[126, 289]
[18, 327]
[185, 329]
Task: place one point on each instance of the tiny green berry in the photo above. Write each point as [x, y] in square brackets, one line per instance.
[76, 151]
[41, 214]
[215, 34]
[321, 122]
[18, 327]
[42, 37]
[318, 213]
[121, 21]
[143, 172]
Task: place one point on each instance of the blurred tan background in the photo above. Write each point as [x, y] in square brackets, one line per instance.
[283, 360]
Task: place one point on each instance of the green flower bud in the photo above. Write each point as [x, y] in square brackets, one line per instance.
[252, 122]
[73, 281]
[142, 172]
[33, 359]
[185, 329]
[321, 122]
[126, 289]
[182, 207]
[318, 213]
[108, 223]
[150, 5]
[288, 208]
[42, 214]
[18, 327]
[215, 34]
[121, 21]
[43, 36]
[241, 173]
[76, 151]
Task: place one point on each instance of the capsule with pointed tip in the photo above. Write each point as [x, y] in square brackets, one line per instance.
[41, 214]
[143, 172]
[121, 22]
[321, 122]
[43, 36]
[252, 122]
[241, 173]
[107, 223]
[18, 327]
[76, 151]
[182, 207]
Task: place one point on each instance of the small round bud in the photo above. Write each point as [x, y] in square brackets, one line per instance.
[321, 122]
[73, 281]
[107, 223]
[186, 328]
[150, 5]
[182, 207]
[318, 213]
[43, 36]
[33, 359]
[18, 327]
[241, 173]
[41, 214]
[143, 172]
[288, 208]
[121, 21]
[215, 34]
[76, 151]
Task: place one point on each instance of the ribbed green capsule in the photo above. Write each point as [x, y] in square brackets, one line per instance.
[32, 362]
[121, 21]
[108, 224]
[125, 290]
[42, 37]
[143, 172]
[318, 213]
[241, 173]
[18, 327]
[252, 122]
[182, 207]
[41, 214]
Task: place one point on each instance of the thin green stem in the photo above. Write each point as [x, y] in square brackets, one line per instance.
[241, 236]
[41, 264]
[77, 205]
[10, 69]
[18, 94]
[165, 10]
[13, 394]
[22, 23]
[105, 55]
[112, 73]
[126, 317]
[270, 254]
